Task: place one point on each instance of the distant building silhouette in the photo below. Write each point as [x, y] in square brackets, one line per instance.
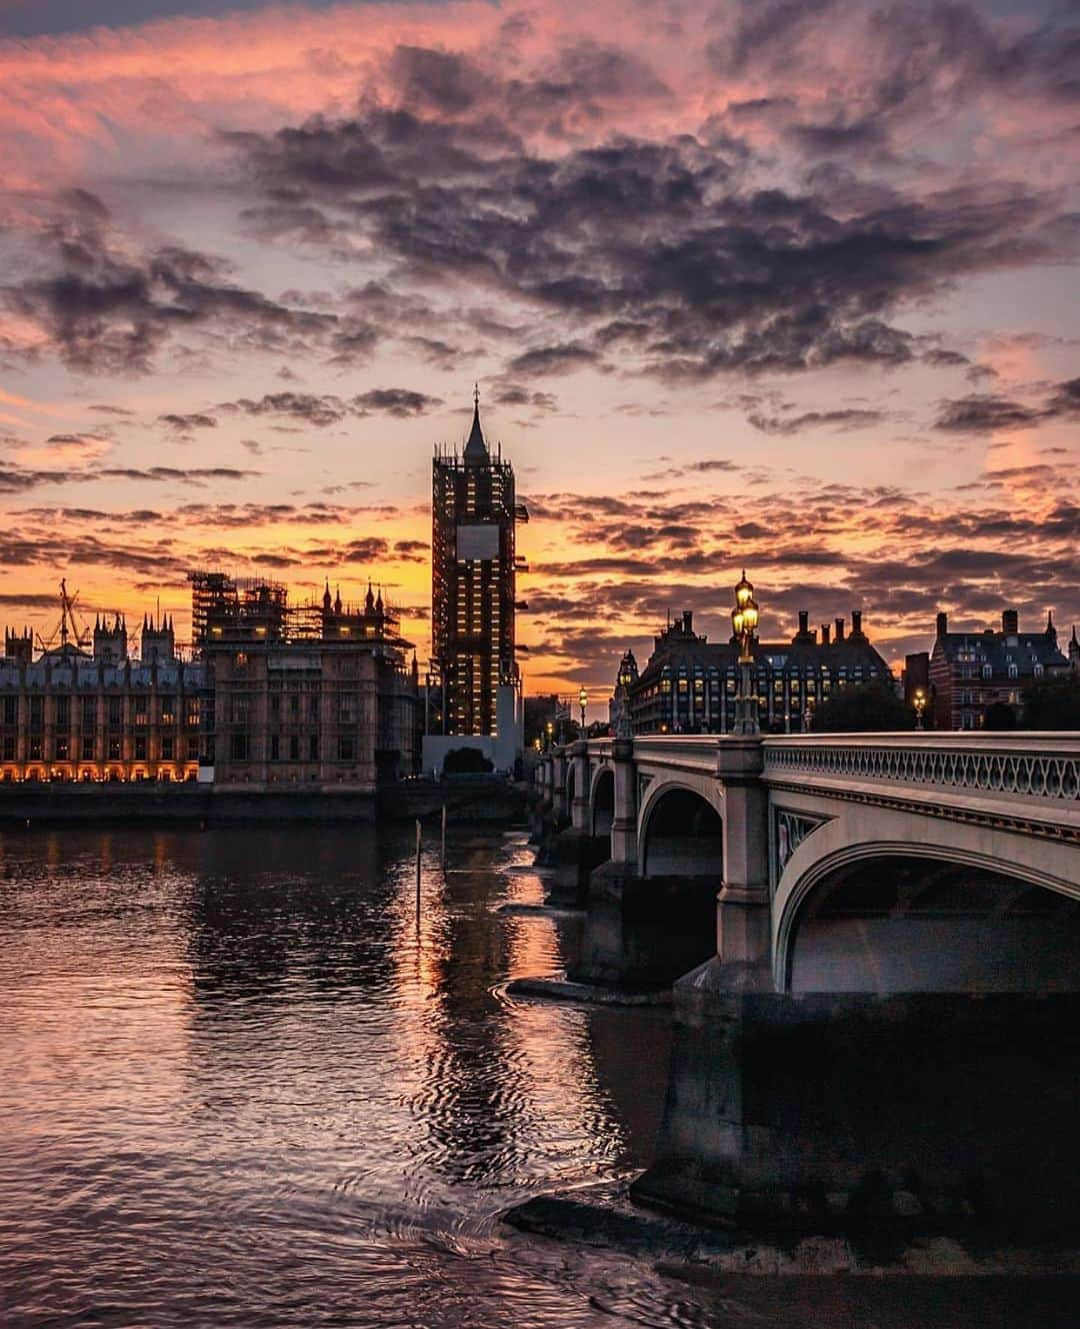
[971, 671]
[689, 684]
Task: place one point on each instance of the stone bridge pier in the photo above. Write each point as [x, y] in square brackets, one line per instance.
[875, 948]
[549, 805]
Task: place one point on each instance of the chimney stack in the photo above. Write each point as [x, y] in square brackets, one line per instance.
[839, 630]
[688, 621]
[1010, 622]
[942, 624]
[825, 630]
[856, 622]
[804, 619]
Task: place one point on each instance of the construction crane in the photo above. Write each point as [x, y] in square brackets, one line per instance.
[69, 626]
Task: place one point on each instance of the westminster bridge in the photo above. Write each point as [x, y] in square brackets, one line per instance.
[876, 942]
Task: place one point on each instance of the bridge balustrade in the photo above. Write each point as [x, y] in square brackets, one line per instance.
[1043, 766]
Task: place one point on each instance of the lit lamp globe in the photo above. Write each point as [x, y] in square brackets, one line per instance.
[744, 621]
[744, 617]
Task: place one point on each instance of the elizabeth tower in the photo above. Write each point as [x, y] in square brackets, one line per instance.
[473, 564]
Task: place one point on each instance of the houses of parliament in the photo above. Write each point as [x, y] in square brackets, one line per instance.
[314, 695]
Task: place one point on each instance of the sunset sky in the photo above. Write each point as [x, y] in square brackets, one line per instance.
[788, 284]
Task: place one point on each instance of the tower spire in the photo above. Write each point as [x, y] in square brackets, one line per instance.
[476, 448]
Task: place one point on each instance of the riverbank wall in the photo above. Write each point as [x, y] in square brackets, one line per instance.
[474, 802]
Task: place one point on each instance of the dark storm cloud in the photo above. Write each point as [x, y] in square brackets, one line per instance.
[1066, 398]
[15, 479]
[514, 394]
[713, 465]
[275, 561]
[319, 411]
[794, 424]
[982, 413]
[560, 359]
[30, 600]
[368, 550]
[912, 60]
[412, 551]
[107, 408]
[326, 409]
[435, 80]
[106, 311]
[74, 440]
[185, 423]
[940, 358]
[656, 246]
[192, 475]
[155, 558]
[400, 402]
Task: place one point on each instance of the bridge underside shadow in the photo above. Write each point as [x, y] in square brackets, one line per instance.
[904, 924]
[922, 1067]
[651, 922]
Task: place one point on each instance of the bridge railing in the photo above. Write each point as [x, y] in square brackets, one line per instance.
[1034, 765]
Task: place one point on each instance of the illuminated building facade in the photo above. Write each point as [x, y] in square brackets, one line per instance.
[96, 714]
[474, 565]
[320, 695]
[689, 684]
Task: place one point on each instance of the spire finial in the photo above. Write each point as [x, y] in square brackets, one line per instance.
[476, 395]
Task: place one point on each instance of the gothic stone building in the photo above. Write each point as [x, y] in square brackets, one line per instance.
[320, 696]
[689, 684]
[971, 671]
[99, 715]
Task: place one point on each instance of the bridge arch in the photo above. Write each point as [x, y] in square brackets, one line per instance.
[601, 801]
[894, 914]
[681, 831]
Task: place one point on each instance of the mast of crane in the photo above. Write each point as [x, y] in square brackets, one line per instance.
[65, 610]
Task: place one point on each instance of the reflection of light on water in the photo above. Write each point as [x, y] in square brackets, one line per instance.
[241, 1088]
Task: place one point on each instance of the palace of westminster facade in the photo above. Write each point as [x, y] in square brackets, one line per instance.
[319, 695]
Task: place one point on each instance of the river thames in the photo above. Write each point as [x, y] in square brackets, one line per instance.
[243, 1086]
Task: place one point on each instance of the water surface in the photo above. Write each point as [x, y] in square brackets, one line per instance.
[240, 1084]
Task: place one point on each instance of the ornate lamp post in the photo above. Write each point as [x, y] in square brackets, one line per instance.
[744, 621]
[583, 699]
[918, 700]
[550, 732]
